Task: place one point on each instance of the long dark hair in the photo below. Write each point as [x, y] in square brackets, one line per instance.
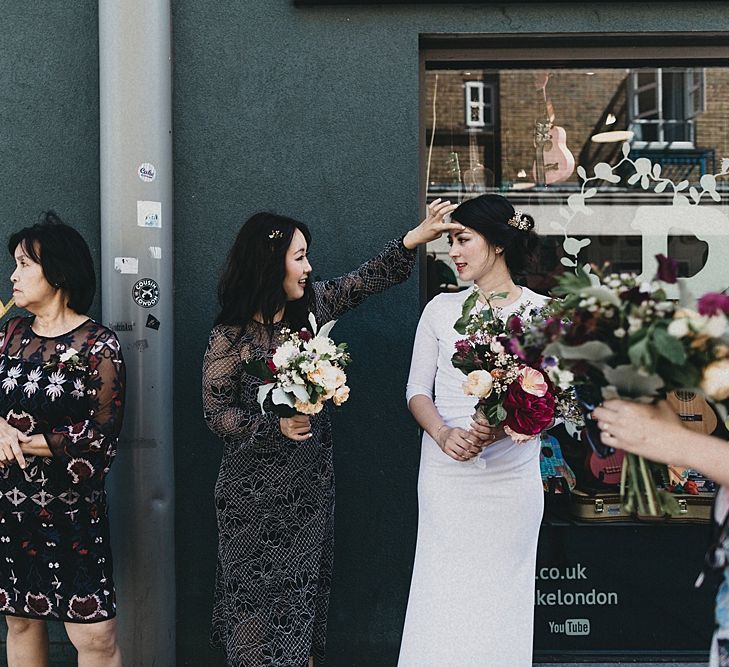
[252, 281]
[64, 257]
[489, 216]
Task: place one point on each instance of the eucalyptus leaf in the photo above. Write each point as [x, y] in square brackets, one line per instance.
[640, 355]
[264, 391]
[300, 392]
[326, 328]
[282, 397]
[631, 383]
[465, 318]
[669, 346]
[593, 350]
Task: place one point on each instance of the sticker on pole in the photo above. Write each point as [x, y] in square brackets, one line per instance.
[147, 172]
[146, 293]
[149, 214]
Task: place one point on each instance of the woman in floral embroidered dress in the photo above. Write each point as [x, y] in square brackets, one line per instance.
[61, 406]
[275, 491]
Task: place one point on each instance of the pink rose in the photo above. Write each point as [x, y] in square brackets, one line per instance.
[526, 413]
[532, 381]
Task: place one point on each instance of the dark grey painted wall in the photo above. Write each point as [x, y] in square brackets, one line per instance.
[49, 134]
[313, 112]
[49, 118]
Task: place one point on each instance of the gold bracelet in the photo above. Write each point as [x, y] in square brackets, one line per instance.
[437, 433]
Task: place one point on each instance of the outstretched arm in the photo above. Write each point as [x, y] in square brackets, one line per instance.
[392, 266]
[656, 432]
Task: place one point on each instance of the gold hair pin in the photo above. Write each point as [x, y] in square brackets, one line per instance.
[519, 221]
[276, 234]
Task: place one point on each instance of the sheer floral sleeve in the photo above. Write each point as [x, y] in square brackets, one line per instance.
[94, 439]
[392, 266]
[230, 404]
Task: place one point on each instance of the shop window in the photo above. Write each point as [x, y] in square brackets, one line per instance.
[664, 104]
[479, 104]
[616, 162]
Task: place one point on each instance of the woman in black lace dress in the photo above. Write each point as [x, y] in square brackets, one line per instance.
[275, 490]
[61, 405]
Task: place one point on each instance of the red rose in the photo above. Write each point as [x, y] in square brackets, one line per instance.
[526, 413]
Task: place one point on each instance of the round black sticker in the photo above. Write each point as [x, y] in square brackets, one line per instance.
[145, 293]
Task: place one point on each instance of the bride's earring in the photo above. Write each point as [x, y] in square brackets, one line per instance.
[499, 251]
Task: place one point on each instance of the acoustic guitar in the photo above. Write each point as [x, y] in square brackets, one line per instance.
[554, 161]
[477, 177]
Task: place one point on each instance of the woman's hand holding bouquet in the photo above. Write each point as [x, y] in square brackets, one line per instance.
[622, 338]
[305, 371]
[503, 363]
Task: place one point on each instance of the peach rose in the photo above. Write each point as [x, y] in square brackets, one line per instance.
[715, 381]
[478, 383]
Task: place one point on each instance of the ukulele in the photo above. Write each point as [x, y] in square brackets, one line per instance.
[697, 415]
[694, 411]
[557, 476]
[608, 469]
[553, 161]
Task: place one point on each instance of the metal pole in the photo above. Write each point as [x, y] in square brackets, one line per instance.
[137, 293]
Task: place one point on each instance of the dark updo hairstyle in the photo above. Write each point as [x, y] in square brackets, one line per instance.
[252, 281]
[64, 257]
[489, 215]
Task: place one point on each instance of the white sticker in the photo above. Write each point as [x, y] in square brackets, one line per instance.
[126, 264]
[147, 172]
[155, 251]
[149, 213]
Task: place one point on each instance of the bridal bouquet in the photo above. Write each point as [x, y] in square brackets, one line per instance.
[504, 367]
[622, 338]
[306, 370]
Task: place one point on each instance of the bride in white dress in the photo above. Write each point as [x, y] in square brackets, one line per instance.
[480, 495]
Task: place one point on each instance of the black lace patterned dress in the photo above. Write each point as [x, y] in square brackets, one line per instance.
[275, 496]
[55, 556]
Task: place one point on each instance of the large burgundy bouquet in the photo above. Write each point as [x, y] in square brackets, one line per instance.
[504, 367]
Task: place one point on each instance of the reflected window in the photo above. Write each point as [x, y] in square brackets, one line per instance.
[615, 164]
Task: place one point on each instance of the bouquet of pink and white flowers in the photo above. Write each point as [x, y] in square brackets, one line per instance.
[620, 337]
[305, 371]
[503, 364]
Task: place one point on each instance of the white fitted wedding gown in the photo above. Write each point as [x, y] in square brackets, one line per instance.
[471, 598]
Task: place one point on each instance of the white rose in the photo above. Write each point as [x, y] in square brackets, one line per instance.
[70, 352]
[328, 375]
[678, 328]
[715, 326]
[715, 380]
[478, 383]
[284, 354]
[496, 347]
[562, 378]
[321, 345]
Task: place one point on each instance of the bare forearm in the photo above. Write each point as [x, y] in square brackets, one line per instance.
[36, 447]
[705, 453]
[426, 414]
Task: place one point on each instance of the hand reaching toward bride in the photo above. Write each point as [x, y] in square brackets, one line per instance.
[433, 226]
